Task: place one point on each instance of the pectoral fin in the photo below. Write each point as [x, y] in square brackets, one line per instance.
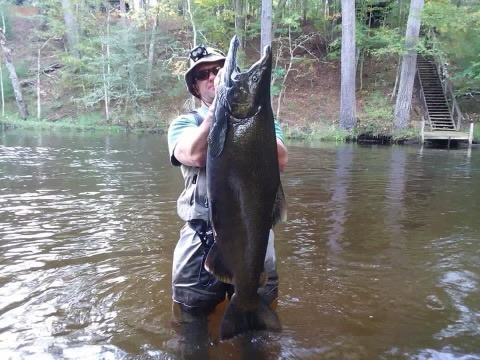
[215, 265]
[218, 132]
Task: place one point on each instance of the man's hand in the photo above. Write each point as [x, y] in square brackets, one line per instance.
[216, 83]
[219, 79]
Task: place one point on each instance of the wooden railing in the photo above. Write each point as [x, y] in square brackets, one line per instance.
[424, 102]
[448, 91]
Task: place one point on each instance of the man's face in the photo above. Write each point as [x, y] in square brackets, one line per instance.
[205, 88]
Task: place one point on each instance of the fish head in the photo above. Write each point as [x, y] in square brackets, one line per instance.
[246, 92]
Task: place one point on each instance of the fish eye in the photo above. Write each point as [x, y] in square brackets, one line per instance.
[255, 78]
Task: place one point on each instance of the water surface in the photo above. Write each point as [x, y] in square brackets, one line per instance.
[379, 258]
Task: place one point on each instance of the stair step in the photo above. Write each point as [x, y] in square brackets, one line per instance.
[437, 104]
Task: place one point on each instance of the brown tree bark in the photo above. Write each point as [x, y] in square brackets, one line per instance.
[7, 53]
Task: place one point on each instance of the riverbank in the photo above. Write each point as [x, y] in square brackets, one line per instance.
[372, 131]
[313, 131]
[309, 106]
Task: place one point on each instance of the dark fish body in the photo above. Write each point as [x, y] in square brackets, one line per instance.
[245, 194]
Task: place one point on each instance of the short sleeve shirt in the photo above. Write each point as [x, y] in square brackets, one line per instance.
[193, 203]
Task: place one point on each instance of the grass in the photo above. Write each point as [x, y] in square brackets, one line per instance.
[316, 131]
[319, 131]
[82, 124]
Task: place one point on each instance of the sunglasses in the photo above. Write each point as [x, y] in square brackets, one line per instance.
[201, 51]
[205, 74]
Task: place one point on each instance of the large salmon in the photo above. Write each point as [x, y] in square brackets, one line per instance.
[244, 190]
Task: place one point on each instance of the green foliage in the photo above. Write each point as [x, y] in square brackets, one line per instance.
[376, 118]
[83, 124]
[7, 84]
[457, 41]
[383, 42]
[278, 73]
[22, 72]
[118, 69]
[318, 130]
[412, 133]
[476, 133]
[215, 22]
[6, 18]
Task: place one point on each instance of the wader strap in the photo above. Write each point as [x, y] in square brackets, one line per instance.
[203, 231]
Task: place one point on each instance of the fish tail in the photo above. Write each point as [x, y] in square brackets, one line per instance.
[237, 320]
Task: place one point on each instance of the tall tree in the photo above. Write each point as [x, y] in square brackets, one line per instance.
[123, 13]
[7, 53]
[151, 49]
[72, 27]
[409, 61]
[240, 21]
[347, 97]
[266, 24]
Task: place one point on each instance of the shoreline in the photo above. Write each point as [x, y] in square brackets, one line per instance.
[316, 131]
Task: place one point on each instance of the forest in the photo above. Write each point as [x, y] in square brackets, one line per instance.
[340, 66]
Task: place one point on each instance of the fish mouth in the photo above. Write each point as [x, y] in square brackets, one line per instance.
[231, 68]
[245, 93]
[231, 62]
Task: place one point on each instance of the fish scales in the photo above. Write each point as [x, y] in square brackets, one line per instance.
[244, 190]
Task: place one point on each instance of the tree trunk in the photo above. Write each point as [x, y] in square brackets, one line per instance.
[347, 99]
[72, 28]
[123, 13]
[240, 21]
[151, 53]
[22, 107]
[266, 24]
[407, 75]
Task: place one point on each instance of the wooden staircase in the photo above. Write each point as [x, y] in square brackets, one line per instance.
[437, 108]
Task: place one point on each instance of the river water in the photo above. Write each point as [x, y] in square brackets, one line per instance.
[379, 258]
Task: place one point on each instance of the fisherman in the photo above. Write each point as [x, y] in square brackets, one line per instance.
[195, 290]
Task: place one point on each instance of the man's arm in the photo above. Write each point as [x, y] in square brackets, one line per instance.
[191, 147]
[282, 154]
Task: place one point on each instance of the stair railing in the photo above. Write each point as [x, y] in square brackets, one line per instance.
[423, 100]
[448, 91]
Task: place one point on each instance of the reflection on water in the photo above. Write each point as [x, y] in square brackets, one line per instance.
[379, 257]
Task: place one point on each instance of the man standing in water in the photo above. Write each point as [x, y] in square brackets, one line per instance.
[195, 291]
